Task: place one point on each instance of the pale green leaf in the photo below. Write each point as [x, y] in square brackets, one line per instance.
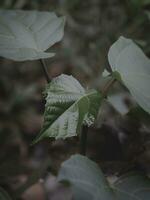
[88, 182]
[132, 186]
[127, 59]
[68, 106]
[105, 73]
[26, 35]
[4, 195]
[117, 100]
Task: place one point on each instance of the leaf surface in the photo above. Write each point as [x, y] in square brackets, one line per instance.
[89, 183]
[68, 106]
[87, 180]
[26, 35]
[127, 59]
[133, 186]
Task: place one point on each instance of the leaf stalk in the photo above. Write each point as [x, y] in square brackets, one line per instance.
[44, 67]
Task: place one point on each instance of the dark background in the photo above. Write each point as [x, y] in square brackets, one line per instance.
[117, 142]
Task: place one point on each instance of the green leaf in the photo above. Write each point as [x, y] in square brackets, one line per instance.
[95, 100]
[68, 106]
[127, 59]
[26, 35]
[117, 101]
[4, 195]
[88, 182]
[105, 73]
[132, 186]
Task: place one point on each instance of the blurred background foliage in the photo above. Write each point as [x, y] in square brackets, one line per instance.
[120, 139]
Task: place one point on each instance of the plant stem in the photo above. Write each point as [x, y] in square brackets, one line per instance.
[107, 87]
[44, 67]
[83, 140]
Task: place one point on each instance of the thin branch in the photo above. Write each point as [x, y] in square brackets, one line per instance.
[44, 67]
[83, 140]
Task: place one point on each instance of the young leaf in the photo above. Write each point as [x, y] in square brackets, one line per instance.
[25, 35]
[88, 182]
[128, 60]
[68, 106]
[4, 195]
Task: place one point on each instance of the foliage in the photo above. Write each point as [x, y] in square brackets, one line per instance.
[88, 182]
[68, 106]
[25, 35]
[127, 59]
